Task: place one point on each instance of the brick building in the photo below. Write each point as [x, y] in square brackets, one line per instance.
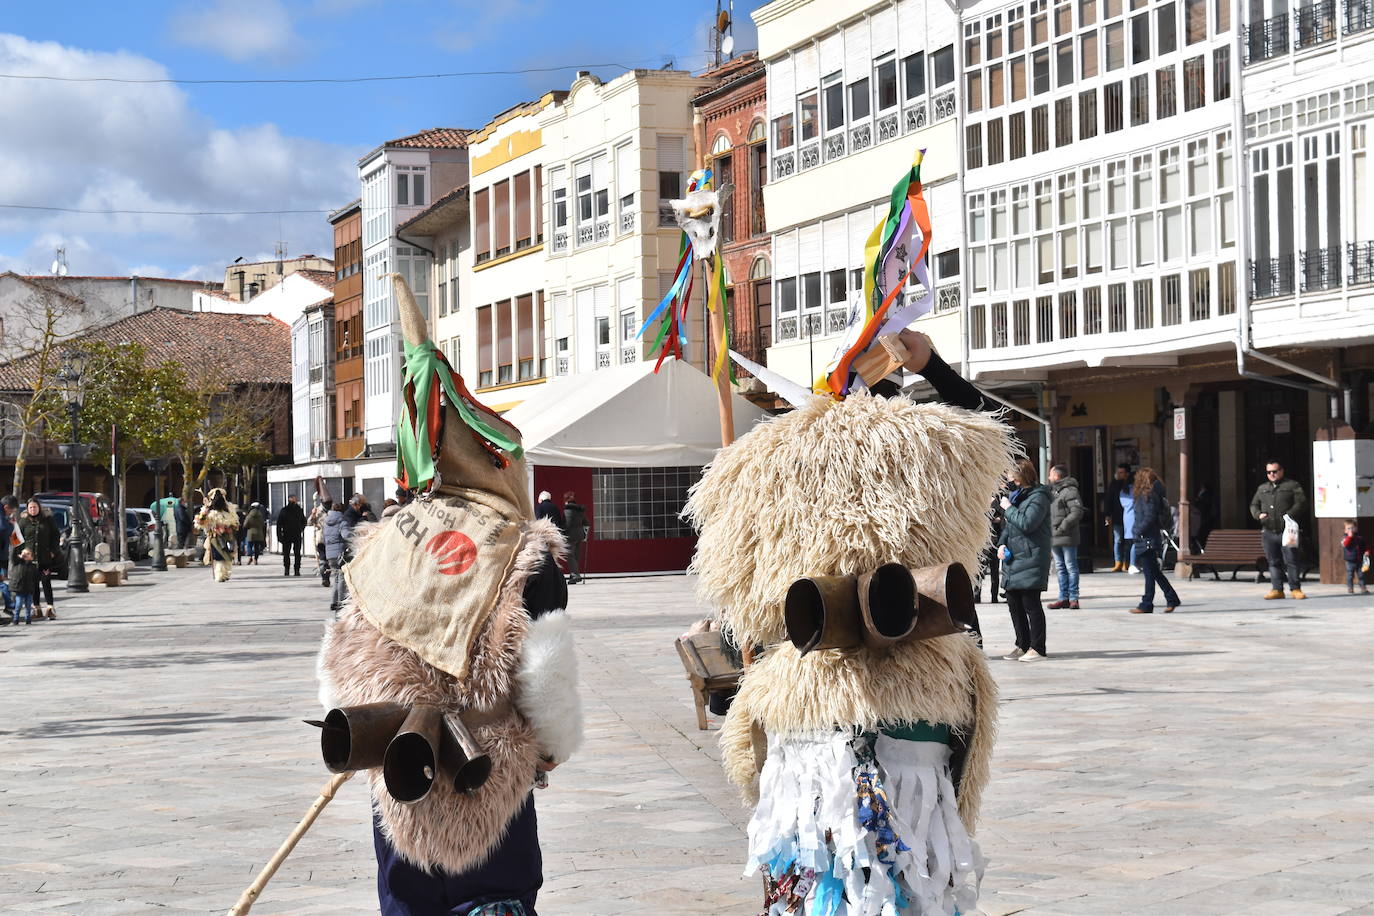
[731, 119]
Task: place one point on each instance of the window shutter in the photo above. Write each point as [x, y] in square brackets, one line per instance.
[832, 53]
[859, 228]
[785, 254]
[857, 56]
[628, 297]
[911, 28]
[562, 315]
[626, 171]
[809, 248]
[808, 73]
[884, 31]
[523, 231]
[601, 172]
[481, 220]
[672, 156]
[782, 88]
[835, 243]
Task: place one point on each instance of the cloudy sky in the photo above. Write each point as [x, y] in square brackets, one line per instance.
[83, 142]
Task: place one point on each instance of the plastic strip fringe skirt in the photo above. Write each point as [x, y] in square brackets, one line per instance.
[500, 908]
[850, 826]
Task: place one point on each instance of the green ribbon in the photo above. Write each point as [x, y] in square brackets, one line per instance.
[415, 445]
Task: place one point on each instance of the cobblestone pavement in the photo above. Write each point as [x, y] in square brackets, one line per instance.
[1215, 761]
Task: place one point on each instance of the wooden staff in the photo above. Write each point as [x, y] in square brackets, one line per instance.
[250, 896]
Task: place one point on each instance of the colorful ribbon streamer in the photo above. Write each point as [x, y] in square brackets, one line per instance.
[671, 310]
[882, 257]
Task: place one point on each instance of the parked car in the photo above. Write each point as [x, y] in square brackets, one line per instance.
[97, 519]
[139, 534]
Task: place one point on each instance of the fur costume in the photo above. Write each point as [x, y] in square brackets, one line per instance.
[425, 629]
[856, 802]
[221, 534]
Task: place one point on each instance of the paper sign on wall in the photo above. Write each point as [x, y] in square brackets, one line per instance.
[1180, 423]
[1282, 423]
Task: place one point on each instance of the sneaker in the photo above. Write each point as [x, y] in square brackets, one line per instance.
[1141, 610]
[1014, 655]
[1032, 656]
[1073, 605]
[1297, 594]
[1134, 570]
[1056, 605]
[1273, 594]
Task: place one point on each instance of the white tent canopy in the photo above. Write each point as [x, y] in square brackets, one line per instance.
[627, 416]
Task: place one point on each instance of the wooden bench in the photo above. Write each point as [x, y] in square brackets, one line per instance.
[708, 668]
[1234, 547]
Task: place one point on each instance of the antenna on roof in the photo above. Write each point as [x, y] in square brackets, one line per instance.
[59, 263]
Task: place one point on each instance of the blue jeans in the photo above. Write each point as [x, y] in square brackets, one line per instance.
[1066, 568]
[1147, 554]
[1119, 542]
[23, 603]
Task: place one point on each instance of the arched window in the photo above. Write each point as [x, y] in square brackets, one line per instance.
[722, 145]
[756, 132]
[760, 269]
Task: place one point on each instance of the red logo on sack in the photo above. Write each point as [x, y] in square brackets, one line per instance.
[453, 551]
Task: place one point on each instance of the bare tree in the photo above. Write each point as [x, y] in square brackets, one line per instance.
[234, 424]
[45, 322]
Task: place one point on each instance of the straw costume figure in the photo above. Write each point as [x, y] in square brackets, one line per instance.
[866, 757]
[219, 519]
[456, 602]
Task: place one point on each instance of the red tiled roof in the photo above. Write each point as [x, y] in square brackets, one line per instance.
[221, 294]
[41, 277]
[323, 278]
[433, 138]
[458, 193]
[253, 349]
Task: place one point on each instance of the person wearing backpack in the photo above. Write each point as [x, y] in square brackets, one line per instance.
[576, 525]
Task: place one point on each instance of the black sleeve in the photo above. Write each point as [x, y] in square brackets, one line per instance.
[546, 589]
[952, 388]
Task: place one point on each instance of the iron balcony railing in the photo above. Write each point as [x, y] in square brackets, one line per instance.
[1321, 269]
[1360, 256]
[1359, 16]
[1314, 24]
[1267, 39]
[1271, 277]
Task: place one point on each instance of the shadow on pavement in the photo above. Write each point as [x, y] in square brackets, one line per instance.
[164, 724]
[125, 663]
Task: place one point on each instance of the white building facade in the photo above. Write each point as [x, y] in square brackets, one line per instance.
[399, 180]
[855, 89]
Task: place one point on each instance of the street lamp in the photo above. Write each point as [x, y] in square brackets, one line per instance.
[73, 365]
[157, 466]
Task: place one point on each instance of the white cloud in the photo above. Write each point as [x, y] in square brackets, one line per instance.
[143, 147]
[240, 30]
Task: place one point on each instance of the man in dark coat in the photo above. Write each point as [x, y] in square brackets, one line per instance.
[1277, 497]
[1066, 512]
[547, 508]
[184, 523]
[576, 526]
[291, 533]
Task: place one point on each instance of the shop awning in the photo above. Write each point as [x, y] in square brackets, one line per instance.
[627, 416]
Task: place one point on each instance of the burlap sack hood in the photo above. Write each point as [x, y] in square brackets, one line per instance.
[430, 577]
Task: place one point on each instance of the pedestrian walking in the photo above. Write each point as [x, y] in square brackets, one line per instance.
[577, 526]
[1126, 499]
[990, 562]
[1114, 509]
[291, 534]
[1024, 548]
[38, 532]
[24, 575]
[1356, 554]
[336, 531]
[317, 517]
[547, 508]
[255, 532]
[7, 596]
[218, 519]
[1151, 514]
[1278, 504]
[1066, 512]
[185, 525]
